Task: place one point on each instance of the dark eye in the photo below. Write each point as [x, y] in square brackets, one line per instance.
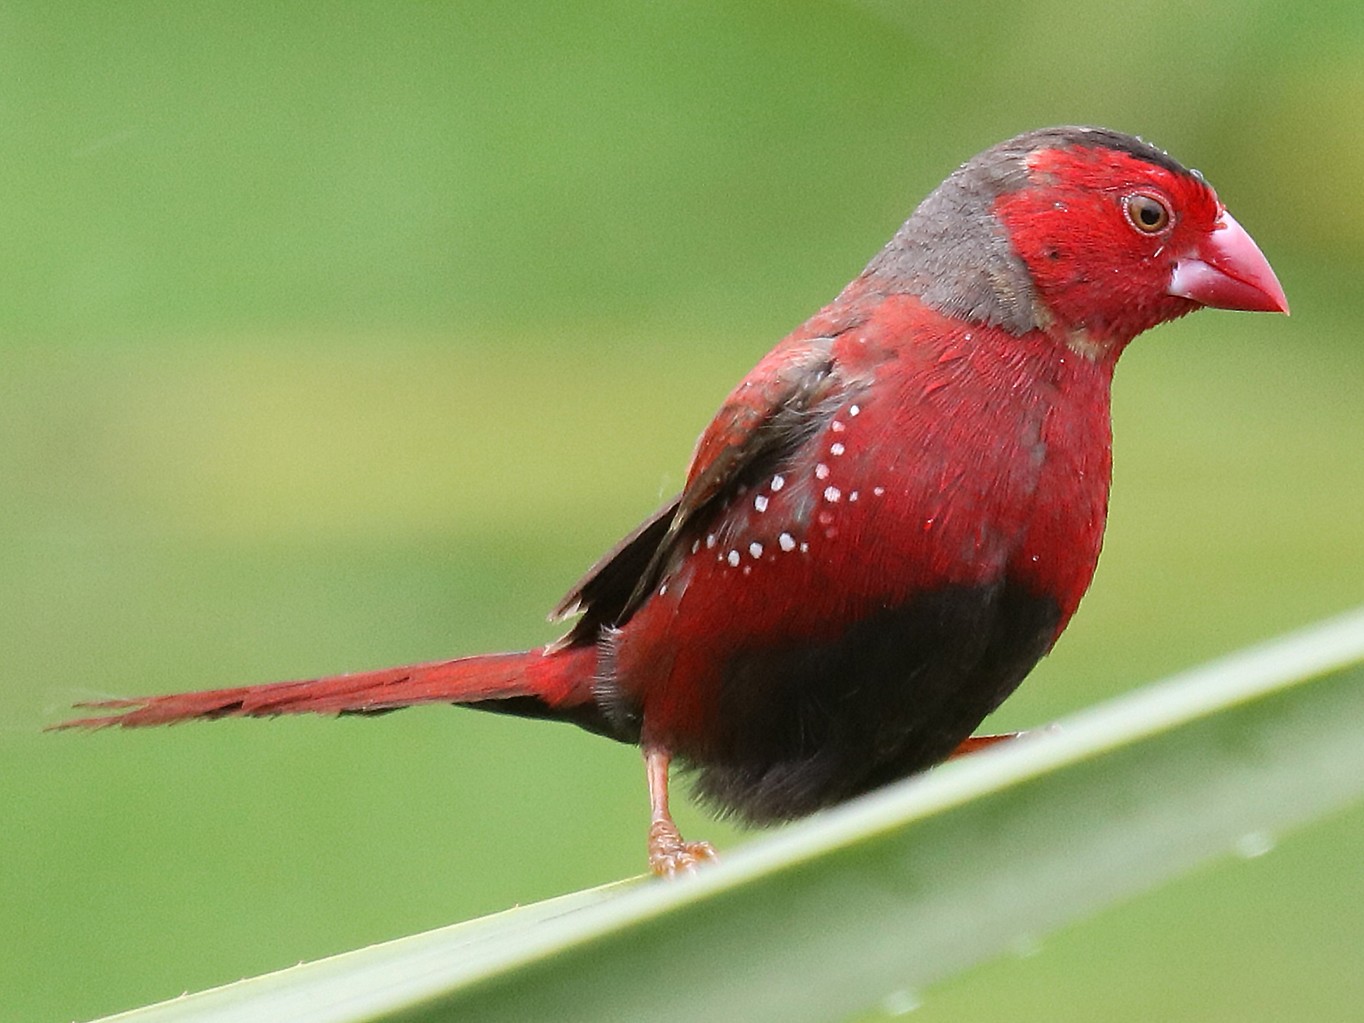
[1146, 213]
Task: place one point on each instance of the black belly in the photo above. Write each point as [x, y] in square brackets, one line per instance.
[809, 726]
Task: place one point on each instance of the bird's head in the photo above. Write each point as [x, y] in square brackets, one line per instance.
[1085, 233]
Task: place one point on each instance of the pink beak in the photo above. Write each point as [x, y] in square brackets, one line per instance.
[1228, 271]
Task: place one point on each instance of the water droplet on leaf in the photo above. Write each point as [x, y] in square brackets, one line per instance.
[1254, 844]
[900, 1003]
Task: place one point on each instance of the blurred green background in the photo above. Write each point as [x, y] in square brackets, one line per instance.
[337, 336]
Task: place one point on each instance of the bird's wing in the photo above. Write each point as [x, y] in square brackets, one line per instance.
[782, 401]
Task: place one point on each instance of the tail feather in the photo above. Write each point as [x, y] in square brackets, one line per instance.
[561, 681]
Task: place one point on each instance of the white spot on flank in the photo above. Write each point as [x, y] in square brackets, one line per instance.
[733, 559]
[786, 542]
[662, 590]
[755, 549]
[710, 541]
[804, 547]
[836, 449]
[852, 496]
[760, 502]
[836, 426]
[821, 471]
[695, 546]
[878, 491]
[748, 569]
[854, 411]
[777, 483]
[832, 494]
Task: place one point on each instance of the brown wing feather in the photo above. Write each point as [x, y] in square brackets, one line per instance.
[612, 579]
[774, 408]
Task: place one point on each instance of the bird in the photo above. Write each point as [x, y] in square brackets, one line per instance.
[890, 520]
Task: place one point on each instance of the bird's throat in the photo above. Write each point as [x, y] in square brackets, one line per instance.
[1091, 346]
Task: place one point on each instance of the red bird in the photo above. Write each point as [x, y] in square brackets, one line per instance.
[890, 519]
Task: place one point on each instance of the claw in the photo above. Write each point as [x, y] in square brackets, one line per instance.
[670, 855]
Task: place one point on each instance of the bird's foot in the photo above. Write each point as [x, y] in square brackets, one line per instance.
[670, 856]
[975, 743]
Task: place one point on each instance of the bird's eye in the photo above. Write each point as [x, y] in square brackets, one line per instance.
[1146, 213]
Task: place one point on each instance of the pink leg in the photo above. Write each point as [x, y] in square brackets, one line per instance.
[669, 855]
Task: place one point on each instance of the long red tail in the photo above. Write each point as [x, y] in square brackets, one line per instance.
[559, 681]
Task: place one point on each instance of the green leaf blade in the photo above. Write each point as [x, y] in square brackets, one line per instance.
[870, 903]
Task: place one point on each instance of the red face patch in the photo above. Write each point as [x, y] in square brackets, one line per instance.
[1100, 231]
